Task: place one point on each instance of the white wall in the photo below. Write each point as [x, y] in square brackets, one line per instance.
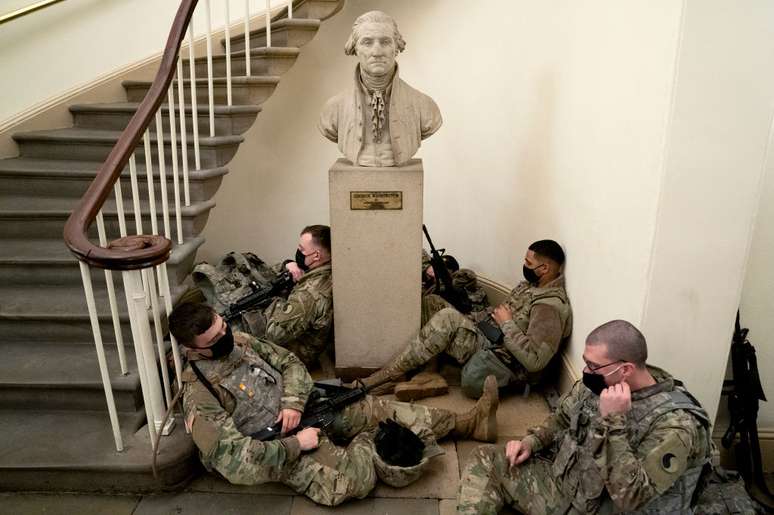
[757, 306]
[69, 44]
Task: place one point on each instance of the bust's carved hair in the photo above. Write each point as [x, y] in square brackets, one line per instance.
[373, 17]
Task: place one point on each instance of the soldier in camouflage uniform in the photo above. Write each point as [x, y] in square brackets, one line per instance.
[462, 278]
[302, 322]
[236, 385]
[626, 438]
[534, 320]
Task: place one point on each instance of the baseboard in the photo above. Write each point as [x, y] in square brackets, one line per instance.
[350, 373]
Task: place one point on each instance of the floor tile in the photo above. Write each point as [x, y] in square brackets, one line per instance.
[66, 504]
[208, 504]
[370, 506]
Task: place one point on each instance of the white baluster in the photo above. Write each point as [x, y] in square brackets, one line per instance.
[120, 207]
[103, 369]
[228, 52]
[162, 175]
[210, 89]
[112, 299]
[175, 175]
[164, 293]
[135, 303]
[290, 9]
[247, 37]
[156, 310]
[268, 23]
[183, 135]
[151, 187]
[135, 195]
[194, 111]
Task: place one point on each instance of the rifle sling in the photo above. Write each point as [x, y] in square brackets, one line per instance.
[204, 381]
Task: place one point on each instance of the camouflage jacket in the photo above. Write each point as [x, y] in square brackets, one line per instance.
[542, 319]
[221, 446]
[648, 459]
[303, 321]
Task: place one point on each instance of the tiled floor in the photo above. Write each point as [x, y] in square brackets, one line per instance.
[433, 494]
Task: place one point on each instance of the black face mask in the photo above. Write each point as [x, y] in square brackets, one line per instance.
[301, 260]
[223, 346]
[529, 274]
[594, 382]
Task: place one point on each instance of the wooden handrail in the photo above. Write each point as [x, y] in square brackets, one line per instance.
[150, 250]
[22, 11]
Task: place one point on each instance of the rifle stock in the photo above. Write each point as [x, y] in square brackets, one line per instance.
[260, 296]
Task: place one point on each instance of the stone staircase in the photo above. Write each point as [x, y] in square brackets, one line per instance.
[54, 428]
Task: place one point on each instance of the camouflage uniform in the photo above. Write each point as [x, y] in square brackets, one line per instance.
[302, 323]
[647, 460]
[542, 318]
[328, 475]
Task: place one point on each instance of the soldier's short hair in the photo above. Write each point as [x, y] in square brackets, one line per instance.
[321, 235]
[624, 342]
[548, 249]
[189, 320]
[373, 17]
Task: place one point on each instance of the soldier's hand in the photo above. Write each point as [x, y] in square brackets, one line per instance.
[615, 399]
[295, 272]
[308, 438]
[289, 418]
[502, 313]
[517, 452]
[429, 272]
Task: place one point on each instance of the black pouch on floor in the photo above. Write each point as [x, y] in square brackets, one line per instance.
[491, 331]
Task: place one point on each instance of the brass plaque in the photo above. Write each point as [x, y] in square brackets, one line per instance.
[375, 200]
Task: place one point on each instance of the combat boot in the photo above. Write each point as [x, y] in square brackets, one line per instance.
[384, 376]
[424, 384]
[480, 423]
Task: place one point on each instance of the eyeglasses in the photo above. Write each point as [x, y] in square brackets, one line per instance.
[594, 369]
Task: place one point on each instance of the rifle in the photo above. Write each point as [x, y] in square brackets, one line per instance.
[261, 296]
[321, 408]
[443, 280]
[744, 391]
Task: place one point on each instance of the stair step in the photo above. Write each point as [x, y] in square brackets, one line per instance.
[65, 377]
[25, 262]
[95, 145]
[274, 60]
[253, 90]
[229, 120]
[47, 217]
[26, 179]
[317, 9]
[295, 32]
[58, 314]
[48, 450]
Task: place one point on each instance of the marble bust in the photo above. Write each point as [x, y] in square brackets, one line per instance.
[380, 121]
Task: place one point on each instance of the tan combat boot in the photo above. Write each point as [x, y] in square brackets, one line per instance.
[480, 423]
[424, 384]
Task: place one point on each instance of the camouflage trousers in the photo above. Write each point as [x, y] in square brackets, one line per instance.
[488, 483]
[332, 474]
[447, 331]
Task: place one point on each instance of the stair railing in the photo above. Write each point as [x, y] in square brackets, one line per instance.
[142, 256]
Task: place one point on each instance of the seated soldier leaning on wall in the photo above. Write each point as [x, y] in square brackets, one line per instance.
[254, 384]
[627, 438]
[514, 342]
[302, 322]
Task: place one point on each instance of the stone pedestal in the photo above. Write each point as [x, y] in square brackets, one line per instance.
[376, 233]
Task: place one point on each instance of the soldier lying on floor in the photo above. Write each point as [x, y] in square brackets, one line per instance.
[255, 384]
[302, 321]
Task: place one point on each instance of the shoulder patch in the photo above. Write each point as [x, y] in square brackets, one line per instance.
[288, 309]
[666, 462]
